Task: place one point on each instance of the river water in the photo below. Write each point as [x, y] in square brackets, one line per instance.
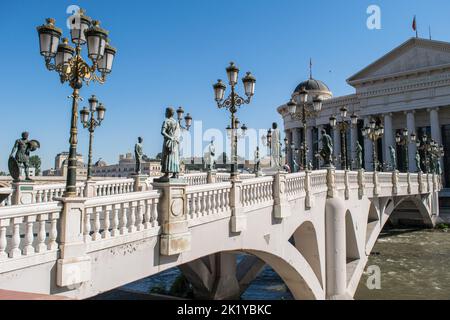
[414, 264]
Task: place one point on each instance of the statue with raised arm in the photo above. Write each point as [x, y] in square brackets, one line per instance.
[138, 154]
[359, 160]
[418, 162]
[171, 131]
[212, 155]
[22, 148]
[393, 155]
[327, 150]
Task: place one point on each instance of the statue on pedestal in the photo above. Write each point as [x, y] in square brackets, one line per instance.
[257, 161]
[171, 132]
[359, 159]
[138, 154]
[418, 162]
[22, 148]
[276, 143]
[212, 155]
[393, 156]
[327, 150]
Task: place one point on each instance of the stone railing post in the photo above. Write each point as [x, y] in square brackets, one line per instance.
[408, 179]
[172, 207]
[74, 265]
[347, 185]
[211, 176]
[428, 183]
[376, 184]
[281, 204]
[89, 189]
[308, 191]
[140, 182]
[435, 183]
[238, 217]
[23, 193]
[395, 178]
[421, 185]
[361, 183]
[331, 182]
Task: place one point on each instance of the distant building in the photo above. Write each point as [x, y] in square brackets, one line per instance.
[61, 166]
[126, 167]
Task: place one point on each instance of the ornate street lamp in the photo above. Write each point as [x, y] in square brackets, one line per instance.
[232, 103]
[187, 119]
[91, 119]
[402, 140]
[374, 133]
[72, 68]
[345, 124]
[302, 109]
[433, 152]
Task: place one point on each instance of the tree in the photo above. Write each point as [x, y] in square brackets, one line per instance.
[36, 162]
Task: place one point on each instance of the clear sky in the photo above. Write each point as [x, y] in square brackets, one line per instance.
[171, 52]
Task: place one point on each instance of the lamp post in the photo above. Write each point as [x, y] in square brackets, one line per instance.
[402, 140]
[87, 118]
[234, 135]
[374, 132]
[343, 125]
[72, 68]
[302, 109]
[232, 103]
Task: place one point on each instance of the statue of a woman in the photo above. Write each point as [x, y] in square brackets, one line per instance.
[171, 131]
[327, 150]
[418, 162]
[393, 155]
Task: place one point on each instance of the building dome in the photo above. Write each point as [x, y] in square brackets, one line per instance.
[312, 85]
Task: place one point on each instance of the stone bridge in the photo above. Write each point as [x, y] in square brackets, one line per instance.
[315, 229]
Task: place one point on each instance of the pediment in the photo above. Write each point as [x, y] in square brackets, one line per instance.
[415, 54]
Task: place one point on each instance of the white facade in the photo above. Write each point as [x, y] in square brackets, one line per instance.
[407, 88]
[126, 167]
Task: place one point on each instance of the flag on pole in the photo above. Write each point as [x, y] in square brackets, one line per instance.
[414, 26]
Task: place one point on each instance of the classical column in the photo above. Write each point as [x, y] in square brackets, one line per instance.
[412, 148]
[337, 147]
[388, 138]
[288, 134]
[368, 151]
[319, 145]
[436, 133]
[309, 141]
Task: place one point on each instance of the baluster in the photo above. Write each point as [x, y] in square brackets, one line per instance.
[42, 235]
[196, 201]
[53, 235]
[3, 241]
[106, 233]
[115, 220]
[87, 224]
[124, 223]
[96, 235]
[155, 212]
[139, 217]
[147, 214]
[29, 236]
[190, 205]
[132, 226]
[220, 202]
[15, 250]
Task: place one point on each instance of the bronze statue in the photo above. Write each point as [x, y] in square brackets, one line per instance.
[138, 154]
[327, 150]
[359, 160]
[22, 148]
[257, 161]
[393, 155]
[171, 132]
[418, 162]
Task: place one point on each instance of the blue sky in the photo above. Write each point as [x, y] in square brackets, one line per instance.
[171, 52]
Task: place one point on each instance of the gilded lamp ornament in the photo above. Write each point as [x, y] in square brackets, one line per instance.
[68, 62]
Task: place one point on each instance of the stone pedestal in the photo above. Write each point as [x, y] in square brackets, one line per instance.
[281, 205]
[23, 192]
[238, 217]
[89, 189]
[376, 184]
[175, 237]
[74, 265]
[395, 179]
[211, 176]
[140, 182]
[331, 182]
[361, 183]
